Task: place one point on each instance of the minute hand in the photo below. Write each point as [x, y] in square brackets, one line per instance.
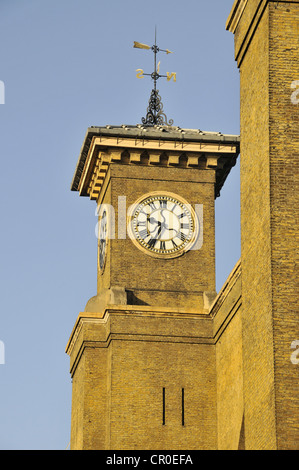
[164, 225]
[159, 232]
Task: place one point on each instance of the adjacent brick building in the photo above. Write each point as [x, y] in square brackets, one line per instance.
[267, 53]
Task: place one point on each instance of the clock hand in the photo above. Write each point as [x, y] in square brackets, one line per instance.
[157, 226]
[165, 225]
[162, 230]
[164, 220]
[151, 220]
[159, 232]
[157, 235]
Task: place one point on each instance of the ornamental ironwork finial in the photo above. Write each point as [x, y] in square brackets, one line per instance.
[155, 114]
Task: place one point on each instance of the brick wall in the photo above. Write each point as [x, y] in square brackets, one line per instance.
[120, 363]
[227, 321]
[267, 51]
[284, 200]
[179, 281]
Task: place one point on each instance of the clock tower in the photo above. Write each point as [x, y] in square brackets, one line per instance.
[142, 353]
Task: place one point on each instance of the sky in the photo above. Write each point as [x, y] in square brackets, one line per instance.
[66, 65]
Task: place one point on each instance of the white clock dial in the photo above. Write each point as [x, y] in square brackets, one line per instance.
[163, 224]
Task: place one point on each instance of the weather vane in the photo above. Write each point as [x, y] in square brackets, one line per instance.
[155, 113]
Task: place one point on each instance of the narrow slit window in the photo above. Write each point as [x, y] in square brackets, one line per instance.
[183, 407]
[163, 412]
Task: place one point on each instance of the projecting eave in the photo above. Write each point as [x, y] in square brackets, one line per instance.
[235, 15]
[212, 149]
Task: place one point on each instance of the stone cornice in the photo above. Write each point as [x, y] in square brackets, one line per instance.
[137, 323]
[158, 324]
[188, 149]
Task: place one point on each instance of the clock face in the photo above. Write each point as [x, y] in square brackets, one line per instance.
[163, 224]
[103, 237]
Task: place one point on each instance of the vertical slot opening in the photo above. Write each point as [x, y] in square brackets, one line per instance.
[183, 407]
[163, 412]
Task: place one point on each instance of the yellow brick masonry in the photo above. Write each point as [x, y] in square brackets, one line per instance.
[178, 282]
[123, 357]
[143, 354]
[267, 51]
[284, 201]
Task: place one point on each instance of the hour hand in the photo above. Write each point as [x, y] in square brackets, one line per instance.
[151, 220]
[156, 232]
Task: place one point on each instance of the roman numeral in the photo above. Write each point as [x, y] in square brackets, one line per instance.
[143, 234]
[185, 226]
[141, 224]
[152, 242]
[142, 212]
[162, 245]
[152, 205]
[182, 236]
[163, 204]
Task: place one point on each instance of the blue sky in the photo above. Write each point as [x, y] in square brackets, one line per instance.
[67, 65]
